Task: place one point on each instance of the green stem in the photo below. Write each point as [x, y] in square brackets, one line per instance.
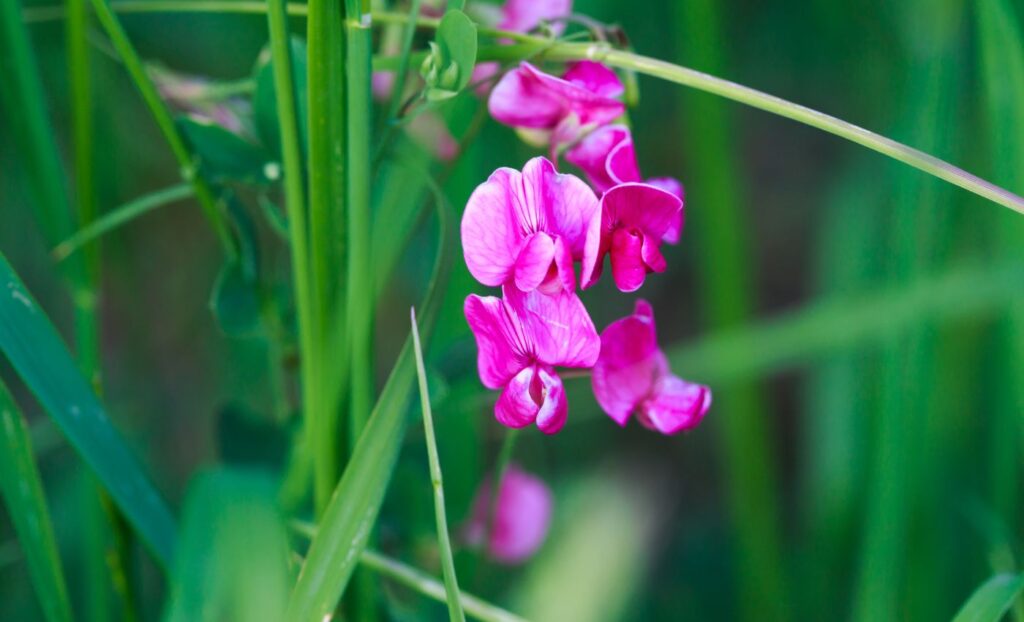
[403, 59]
[444, 544]
[500, 468]
[162, 116]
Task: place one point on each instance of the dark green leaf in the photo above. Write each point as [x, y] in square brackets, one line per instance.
[23, 495]
[227, 156]
[992, 600]
[235, 302]
[232, 563]
[449, 67]
[36, 351]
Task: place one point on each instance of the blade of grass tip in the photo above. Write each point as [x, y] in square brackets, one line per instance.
[444, 545]
[22, 491]
[118, 217]
[1002, 64]
[991, 601]
[746, 430]
[353, 508]
[36, 352]
[327, 194]
[162, 115]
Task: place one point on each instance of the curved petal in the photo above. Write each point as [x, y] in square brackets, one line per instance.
[595, 77]
[650, 252]
[641, 206]
[674, 405]
[672, 185]
[558, 327]
[591, 155]
[554, 408]
[630, 364]
[573, 209]
[521, 99]
[628, 267]
[534, 262]
[525, 15]
[621, 164]
[491, 237]
[566, 273]
[522, 515]
[517, 407]
[499, 339]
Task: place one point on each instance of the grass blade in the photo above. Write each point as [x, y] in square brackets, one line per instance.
[36, 351]
[22, 491]
[992, 599]
[356, 501]
[120, 216]
[444, 545]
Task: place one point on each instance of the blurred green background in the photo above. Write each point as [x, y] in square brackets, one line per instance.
[861, 326]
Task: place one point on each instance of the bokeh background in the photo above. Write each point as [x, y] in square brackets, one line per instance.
[861, 325]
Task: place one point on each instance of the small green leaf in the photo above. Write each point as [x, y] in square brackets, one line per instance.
[224, 155]
[265, 99]
[449, 66]
[235, 302]
[22, 492]
[992, 600]
[232, 563]
[36, 352]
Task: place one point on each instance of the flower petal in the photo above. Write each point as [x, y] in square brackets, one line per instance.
[595, 77]
[525, 15]
[534, 262]
[563, 260]
[628, 268]
[650, 252]
[491, 237]
[630, 363]
[522, 515]
[643, 206]
[573, 209]
[672, 185]
[517, 407]
[521, 99]
[554, 409]
[558, 327]
[591, 155]
[621, 163]
[499, 339]
[674, 405]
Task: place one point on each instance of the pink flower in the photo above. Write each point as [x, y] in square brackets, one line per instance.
[529, 227]
[522, 515]
[608, 158]
[635, 218]
[525, 15]
[561, 109]
[632, 376]
[521, 338]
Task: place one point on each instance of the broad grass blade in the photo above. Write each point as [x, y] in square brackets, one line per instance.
[992, 599]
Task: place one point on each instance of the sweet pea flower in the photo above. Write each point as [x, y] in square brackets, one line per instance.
[608, 158]
[521, 517]
[558, 110]
[528, 228]
[635, 219]
[632, 376]
[521, 338]
[525, 15]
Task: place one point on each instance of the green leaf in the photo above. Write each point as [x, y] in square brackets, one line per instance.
[992, 600]
[22, 492]
[232, 564]
[356, 501]
[265, 97]
[224, 155]
[449, 66]
[235, 303]
[36, 352]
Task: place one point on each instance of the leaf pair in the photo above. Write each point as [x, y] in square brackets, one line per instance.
[449, 66]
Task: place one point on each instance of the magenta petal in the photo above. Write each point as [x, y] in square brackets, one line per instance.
[573, 209]
[591, 154]
[566, 273]
[671, 185]
[630, 364]
[579, 95]
[675, 405]
[650, 252]
[628, 268]
[525, 15]
[621, 164]
[595, 77]
[499, 340]
[491, 237]
[642, 206]
[517, 407]
[534, 261]
[522, 515]
[558, 328]
[554, 408]
[521, 99]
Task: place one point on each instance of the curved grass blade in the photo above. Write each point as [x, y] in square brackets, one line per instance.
[356, 501]
[36, 351]
[120, 216]
[444, 545]
[992, 600]
[22, 492]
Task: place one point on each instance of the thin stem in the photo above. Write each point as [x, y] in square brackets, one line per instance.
[500, 468]
[162, 116]
[444, 545]
[403, 59]
[120, 216]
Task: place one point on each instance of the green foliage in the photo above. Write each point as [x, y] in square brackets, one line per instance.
[991, 601]
[224, 155]
[235, 302]
[449, 66]
[264, 99]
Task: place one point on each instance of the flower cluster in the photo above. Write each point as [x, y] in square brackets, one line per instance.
[525, 231]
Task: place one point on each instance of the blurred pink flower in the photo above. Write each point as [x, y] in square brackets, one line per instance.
[525, 15]
[635, 218]
[560, 109]
[632, 376]
[608, 158]
[382, 83]
[521, 338]
[196, 96]
[528, 228]
[522, 515]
